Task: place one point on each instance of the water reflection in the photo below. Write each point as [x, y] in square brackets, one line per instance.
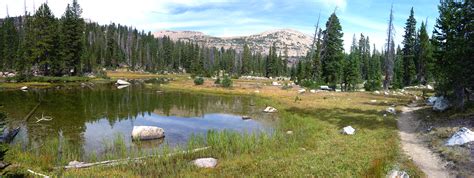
[90, 116]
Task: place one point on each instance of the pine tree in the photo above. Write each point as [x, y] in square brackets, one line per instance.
[332, 51]
[409, 41]
[454, 42]
[44, 51]
[9, 44]
[352, 67]
[72, 29]
[389, 53]
[247, 55]
[425, 55]
[398, 70]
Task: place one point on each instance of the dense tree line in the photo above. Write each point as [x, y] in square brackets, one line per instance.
[45, 45]
[42, 44]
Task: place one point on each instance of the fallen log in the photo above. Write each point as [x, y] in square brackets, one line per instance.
[80, 165]
[31, 112]
[37, 174]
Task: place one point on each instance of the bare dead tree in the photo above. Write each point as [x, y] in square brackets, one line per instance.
[389, 52]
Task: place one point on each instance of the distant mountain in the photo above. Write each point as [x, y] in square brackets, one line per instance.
[298, 43]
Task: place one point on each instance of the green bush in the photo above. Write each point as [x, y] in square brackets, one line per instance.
[218, 81]
[226, 82]
[309, 84]
[198, 81]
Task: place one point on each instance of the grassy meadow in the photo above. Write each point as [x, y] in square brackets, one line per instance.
[315, 148]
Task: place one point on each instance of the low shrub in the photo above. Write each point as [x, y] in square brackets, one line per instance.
[198, 81]
[227, 82]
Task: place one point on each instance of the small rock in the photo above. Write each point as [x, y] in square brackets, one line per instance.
[398, 174]
[24, 88]
[75, 163]
[431, 100]
[289, 132]
[464, 135]
[373, 101]
[324, 87]
[276, 84]
[384, 115]
[270, 110]
[391, 110]
[205, 162]
[301, 91]
[348, 130]
[122, 82]
[377, 92]
[386, 93]
[246, 117]
[312, 91]
[3, 165]
[257, 91]
[429, 87]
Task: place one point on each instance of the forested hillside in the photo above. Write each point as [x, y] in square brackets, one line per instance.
[42, 44]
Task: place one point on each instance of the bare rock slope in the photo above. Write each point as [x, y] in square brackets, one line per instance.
[296, 42]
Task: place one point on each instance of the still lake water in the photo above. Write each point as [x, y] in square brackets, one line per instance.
[91, 116]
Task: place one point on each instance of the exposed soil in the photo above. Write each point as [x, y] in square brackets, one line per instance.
[430, 163]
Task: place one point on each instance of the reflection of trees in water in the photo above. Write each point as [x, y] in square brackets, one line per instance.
[72, 108]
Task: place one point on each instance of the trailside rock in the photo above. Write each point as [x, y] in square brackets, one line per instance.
[122, 82]
[205, 162]
[377, 92]
[441, 104]
[348, 130]
[275, 84]
[464, 135]
[373, 101]
[391, 110]
[270, 110]
[312, 91]
[398, 174]
[431, 100]
[147, 133]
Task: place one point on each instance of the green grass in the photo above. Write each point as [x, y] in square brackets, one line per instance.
[316, 147]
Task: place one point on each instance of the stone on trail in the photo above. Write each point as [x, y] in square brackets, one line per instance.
[348, 130]
[391, 110]
[270, 110]
[464, 135]
[122, 82]
[147, 133]
[205, 162]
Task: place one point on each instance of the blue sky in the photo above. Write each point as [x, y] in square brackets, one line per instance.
[235, 18]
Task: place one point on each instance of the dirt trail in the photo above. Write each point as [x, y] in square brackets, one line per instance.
[423, 157]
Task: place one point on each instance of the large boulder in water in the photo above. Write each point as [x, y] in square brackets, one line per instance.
[205, 162]
[464, 135]
[147, 133]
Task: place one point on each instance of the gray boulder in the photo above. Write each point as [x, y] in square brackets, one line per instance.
[441, 104]
[147, 133]
[205, 162]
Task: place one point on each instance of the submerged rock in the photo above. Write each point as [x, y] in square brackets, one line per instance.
[464, 135]
[147, 133]
[270, 110]
[122, 82]
[348, 130]
[205, 162]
